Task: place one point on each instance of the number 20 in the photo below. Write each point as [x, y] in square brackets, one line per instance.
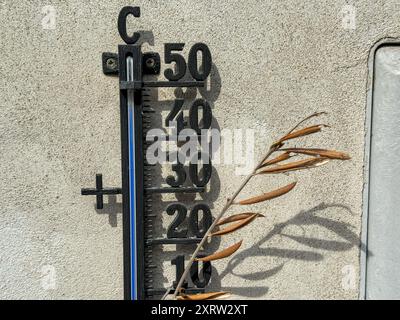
[181, 211]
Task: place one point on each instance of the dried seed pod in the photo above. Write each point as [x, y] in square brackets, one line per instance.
[222, 254]
[331, 154]
[238, 217]
[296, 165]
[235, 226]
[282, 157]
[315, 114]
[203, 296]
[269, 195]
[302, 132]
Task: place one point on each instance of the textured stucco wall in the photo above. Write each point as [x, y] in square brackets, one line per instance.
[276, 62]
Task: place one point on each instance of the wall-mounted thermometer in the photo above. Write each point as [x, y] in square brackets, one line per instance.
[131, 65]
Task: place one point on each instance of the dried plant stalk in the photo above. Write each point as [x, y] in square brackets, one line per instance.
[323, 157]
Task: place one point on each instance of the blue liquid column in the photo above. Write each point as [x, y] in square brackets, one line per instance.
[132, 182]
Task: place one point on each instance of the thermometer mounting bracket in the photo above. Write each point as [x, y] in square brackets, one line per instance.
[151, 64]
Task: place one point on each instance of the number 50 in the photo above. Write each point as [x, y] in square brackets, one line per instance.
[180, 63]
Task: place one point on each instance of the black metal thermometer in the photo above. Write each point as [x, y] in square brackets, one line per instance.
[131, 65]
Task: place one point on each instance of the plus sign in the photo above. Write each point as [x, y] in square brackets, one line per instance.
[99, 191]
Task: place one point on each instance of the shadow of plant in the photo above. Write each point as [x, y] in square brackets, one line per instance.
[348, 240]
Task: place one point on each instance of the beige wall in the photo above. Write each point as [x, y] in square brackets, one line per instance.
[276, 62]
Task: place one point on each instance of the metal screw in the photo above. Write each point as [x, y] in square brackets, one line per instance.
[111, 63]
[150, 63]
